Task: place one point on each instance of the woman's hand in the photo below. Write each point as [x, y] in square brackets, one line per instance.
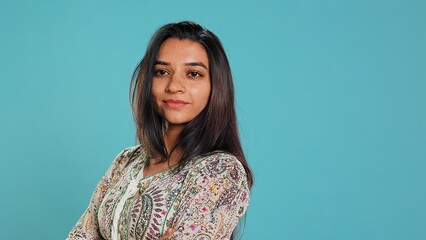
[169, 233]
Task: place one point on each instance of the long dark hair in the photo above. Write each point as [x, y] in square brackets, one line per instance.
[215, 128]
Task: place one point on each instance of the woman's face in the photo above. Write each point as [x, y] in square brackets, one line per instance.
[181, 84]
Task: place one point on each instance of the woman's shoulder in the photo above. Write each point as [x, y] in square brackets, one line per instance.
[127, 155]
[132, 151]
[218, 157]
[218, 164]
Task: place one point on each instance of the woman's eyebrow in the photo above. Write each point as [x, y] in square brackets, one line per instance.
[159, 62]
[196, 64]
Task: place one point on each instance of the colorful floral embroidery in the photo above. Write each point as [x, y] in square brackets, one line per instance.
[205, 200]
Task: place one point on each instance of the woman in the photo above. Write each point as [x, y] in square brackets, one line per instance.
[188, 178]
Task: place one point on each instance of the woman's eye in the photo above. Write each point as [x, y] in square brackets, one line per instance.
[160, 72]
[194, 74]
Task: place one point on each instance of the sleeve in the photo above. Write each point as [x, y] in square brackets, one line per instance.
[218, 196]
[87, 226]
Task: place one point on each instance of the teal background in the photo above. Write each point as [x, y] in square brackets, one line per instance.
[331, 97]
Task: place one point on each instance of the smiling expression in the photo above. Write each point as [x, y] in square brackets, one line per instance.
[181, 84]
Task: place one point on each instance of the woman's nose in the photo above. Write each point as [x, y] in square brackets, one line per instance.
[175, 84]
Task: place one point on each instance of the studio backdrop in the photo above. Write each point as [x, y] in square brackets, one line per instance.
[331, 101]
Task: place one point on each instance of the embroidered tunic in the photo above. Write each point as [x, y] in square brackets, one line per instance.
[204, 200]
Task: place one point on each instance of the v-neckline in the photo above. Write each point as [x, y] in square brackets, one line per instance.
[141, 174]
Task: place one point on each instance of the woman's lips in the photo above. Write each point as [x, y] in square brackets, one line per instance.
[175, 103]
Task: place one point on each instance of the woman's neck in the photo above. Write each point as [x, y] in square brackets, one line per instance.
[171, 136]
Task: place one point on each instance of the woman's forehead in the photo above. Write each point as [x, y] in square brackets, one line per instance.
[182, 51]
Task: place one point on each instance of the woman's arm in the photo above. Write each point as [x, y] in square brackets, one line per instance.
[212, 206]
[87, 226]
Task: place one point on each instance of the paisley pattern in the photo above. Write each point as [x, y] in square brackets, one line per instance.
[204, 200]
